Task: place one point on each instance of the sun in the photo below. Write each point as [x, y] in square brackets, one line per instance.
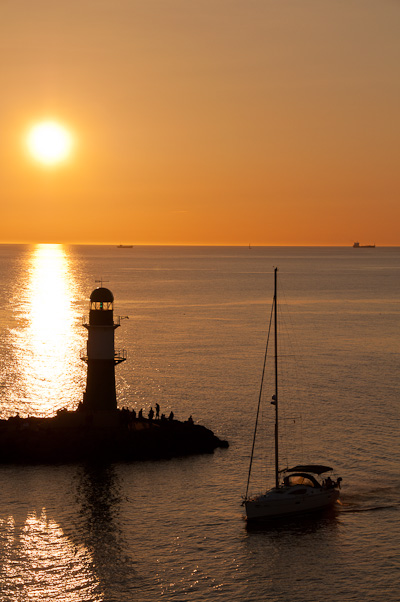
[49, 142]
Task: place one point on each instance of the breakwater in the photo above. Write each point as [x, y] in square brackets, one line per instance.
[101, 436]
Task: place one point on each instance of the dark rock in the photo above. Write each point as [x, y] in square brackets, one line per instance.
[102, 436]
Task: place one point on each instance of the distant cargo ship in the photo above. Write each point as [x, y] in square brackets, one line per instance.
[124, 246]
[357, 245]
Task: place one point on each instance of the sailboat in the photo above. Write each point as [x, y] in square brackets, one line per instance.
[300, 489]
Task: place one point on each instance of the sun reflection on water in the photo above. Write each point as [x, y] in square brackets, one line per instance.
[47, 339]
[40, 563]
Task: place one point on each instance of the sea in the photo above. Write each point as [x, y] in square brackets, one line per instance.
[194, 322]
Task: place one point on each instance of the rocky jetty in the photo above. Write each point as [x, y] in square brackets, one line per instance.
[111, 436]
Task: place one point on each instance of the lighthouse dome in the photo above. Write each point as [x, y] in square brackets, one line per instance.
[101, 294]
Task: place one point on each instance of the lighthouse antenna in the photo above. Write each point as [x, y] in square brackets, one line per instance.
[101, 281]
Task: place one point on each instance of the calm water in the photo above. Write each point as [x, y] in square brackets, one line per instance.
[195, 337]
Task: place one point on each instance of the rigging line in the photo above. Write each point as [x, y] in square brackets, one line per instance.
[259, 401]
[298, 367]
[287, 406]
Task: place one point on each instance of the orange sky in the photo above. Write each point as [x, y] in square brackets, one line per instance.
[203, 121]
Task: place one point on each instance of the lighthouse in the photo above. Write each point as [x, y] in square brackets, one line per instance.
[100, 355]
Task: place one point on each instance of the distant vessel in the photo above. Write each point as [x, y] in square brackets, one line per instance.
[301, 489]
[357, 245]
[124, 246]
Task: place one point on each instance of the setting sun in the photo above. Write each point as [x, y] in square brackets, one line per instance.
[49, 142]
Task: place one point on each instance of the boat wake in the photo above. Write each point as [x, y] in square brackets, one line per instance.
[371, 500]
[370, 509]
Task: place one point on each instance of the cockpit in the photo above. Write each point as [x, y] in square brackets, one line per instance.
[301, 478]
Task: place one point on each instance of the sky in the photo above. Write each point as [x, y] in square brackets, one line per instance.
[204, 122]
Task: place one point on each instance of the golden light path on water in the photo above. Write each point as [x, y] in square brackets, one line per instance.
[39, 562]
[47, 342]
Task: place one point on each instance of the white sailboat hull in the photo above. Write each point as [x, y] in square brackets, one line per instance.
[291, 500]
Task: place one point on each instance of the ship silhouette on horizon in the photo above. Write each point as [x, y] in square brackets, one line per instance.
[357, 245]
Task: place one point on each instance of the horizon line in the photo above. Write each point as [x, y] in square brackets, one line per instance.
[239, 245]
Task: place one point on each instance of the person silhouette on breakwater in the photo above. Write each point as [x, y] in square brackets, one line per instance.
[151, 414]
[140, 415]
[171, 416]
[157, 410]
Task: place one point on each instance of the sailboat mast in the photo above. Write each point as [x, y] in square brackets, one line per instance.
[276, 381]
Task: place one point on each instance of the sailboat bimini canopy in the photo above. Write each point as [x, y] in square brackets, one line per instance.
[315, 468]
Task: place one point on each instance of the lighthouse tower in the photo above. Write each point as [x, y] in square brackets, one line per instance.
[101, 356]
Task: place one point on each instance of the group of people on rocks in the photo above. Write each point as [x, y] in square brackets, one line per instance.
[133, 415]
[157, 414]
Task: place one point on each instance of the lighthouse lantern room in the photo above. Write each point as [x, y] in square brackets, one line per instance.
[100, 355]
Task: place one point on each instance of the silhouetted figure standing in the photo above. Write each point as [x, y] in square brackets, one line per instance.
[151, 414]
[171, 416]
[157, 410]
[140, 415]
